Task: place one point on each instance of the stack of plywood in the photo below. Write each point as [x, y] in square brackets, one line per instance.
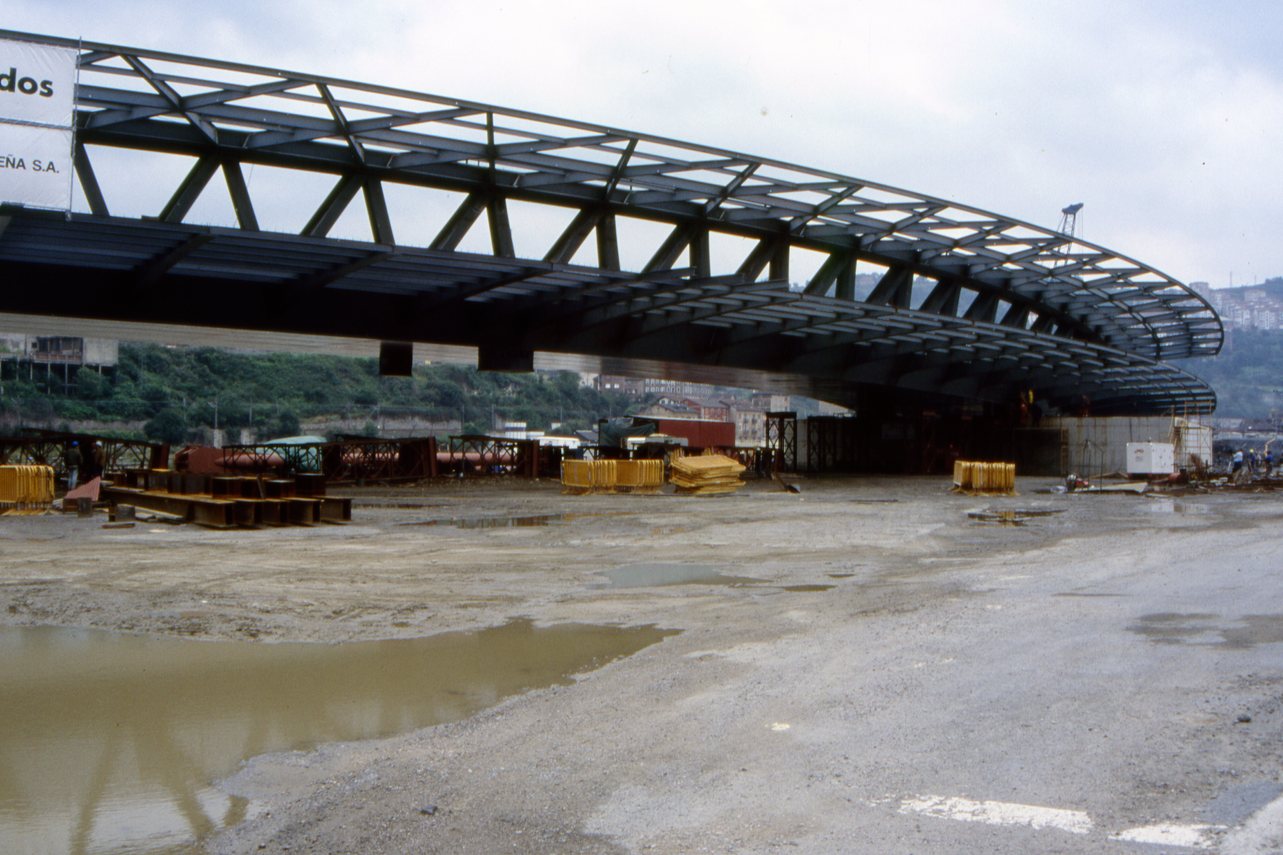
[975, 476]
[26, 489]
[708, 475]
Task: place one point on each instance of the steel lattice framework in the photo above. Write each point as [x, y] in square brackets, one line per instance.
[967, 302]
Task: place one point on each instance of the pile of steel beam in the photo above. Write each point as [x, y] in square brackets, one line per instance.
[230, 501]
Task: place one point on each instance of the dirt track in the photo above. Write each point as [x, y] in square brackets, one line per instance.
[892, 651]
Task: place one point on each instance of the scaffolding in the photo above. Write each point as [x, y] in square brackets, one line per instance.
[781, 441]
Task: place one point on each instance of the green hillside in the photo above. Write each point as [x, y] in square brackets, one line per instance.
[174, 390]
[1248, 373]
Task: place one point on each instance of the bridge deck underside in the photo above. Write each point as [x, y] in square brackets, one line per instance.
[145, 271]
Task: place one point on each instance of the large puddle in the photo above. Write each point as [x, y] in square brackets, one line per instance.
[532, 521]
[652, 575]
[499, 522]
[110, 742]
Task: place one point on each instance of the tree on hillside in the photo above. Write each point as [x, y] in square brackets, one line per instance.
[169, 425]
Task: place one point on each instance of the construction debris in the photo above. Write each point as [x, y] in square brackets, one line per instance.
[1012, 516]
[1137, 487]
[711, 474]
[788, 486]
[88, 490]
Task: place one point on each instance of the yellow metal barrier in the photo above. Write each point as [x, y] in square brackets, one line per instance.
[576, 476]
[639, 476]
[608, 476]
[975, 476]
[26, 489]
[588, 476]
[604, 473]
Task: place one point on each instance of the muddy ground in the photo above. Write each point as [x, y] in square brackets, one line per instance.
[899, 675]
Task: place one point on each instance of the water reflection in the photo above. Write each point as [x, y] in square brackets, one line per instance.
[110, 741]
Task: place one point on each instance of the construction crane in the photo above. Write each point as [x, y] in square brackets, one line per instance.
[1069, 219]
[1068, 226]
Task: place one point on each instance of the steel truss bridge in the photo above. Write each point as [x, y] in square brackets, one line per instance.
[966, 303]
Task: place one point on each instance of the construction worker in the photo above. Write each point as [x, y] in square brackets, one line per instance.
[72, 461]
[98, 462]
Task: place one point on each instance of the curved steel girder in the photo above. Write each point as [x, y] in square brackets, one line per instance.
[418, 137]
[1064, 301]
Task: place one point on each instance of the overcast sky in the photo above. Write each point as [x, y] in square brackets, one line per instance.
[1164, 118]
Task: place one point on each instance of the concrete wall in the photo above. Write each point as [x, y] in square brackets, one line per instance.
[1097, 446]
[102, 351]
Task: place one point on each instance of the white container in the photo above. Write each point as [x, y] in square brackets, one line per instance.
[1150, 458]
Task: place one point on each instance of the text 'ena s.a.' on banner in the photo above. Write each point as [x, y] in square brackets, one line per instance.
[37, 110]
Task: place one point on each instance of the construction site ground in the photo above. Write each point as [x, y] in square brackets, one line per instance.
[898, 669]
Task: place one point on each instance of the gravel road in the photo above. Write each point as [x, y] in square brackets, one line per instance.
[867, 666]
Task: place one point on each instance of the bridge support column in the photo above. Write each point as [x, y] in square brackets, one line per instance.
[494, 357]
[396, 359]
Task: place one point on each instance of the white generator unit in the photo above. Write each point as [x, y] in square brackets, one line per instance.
[1151, 458]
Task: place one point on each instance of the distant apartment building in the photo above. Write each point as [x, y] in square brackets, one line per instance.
[633, 387]
[638, 387]
[748, 414]
[45, 356]
[1247, 307]
[682, 400]
[750, 423]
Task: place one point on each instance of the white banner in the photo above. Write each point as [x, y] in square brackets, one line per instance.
[37, 83]
[35, 166]
[37, 109]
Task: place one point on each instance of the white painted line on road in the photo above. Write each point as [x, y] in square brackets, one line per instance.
[1189, 836]
[998, 813]
[1261, 834]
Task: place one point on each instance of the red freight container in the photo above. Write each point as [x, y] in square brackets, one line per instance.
[699, 433]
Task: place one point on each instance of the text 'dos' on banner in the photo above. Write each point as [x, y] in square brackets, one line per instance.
[37, 108]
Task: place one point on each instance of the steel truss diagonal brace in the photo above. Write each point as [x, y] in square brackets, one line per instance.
[333, 206]
[89, 182]
[895, 288]
[839, 269]
[189, 191]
